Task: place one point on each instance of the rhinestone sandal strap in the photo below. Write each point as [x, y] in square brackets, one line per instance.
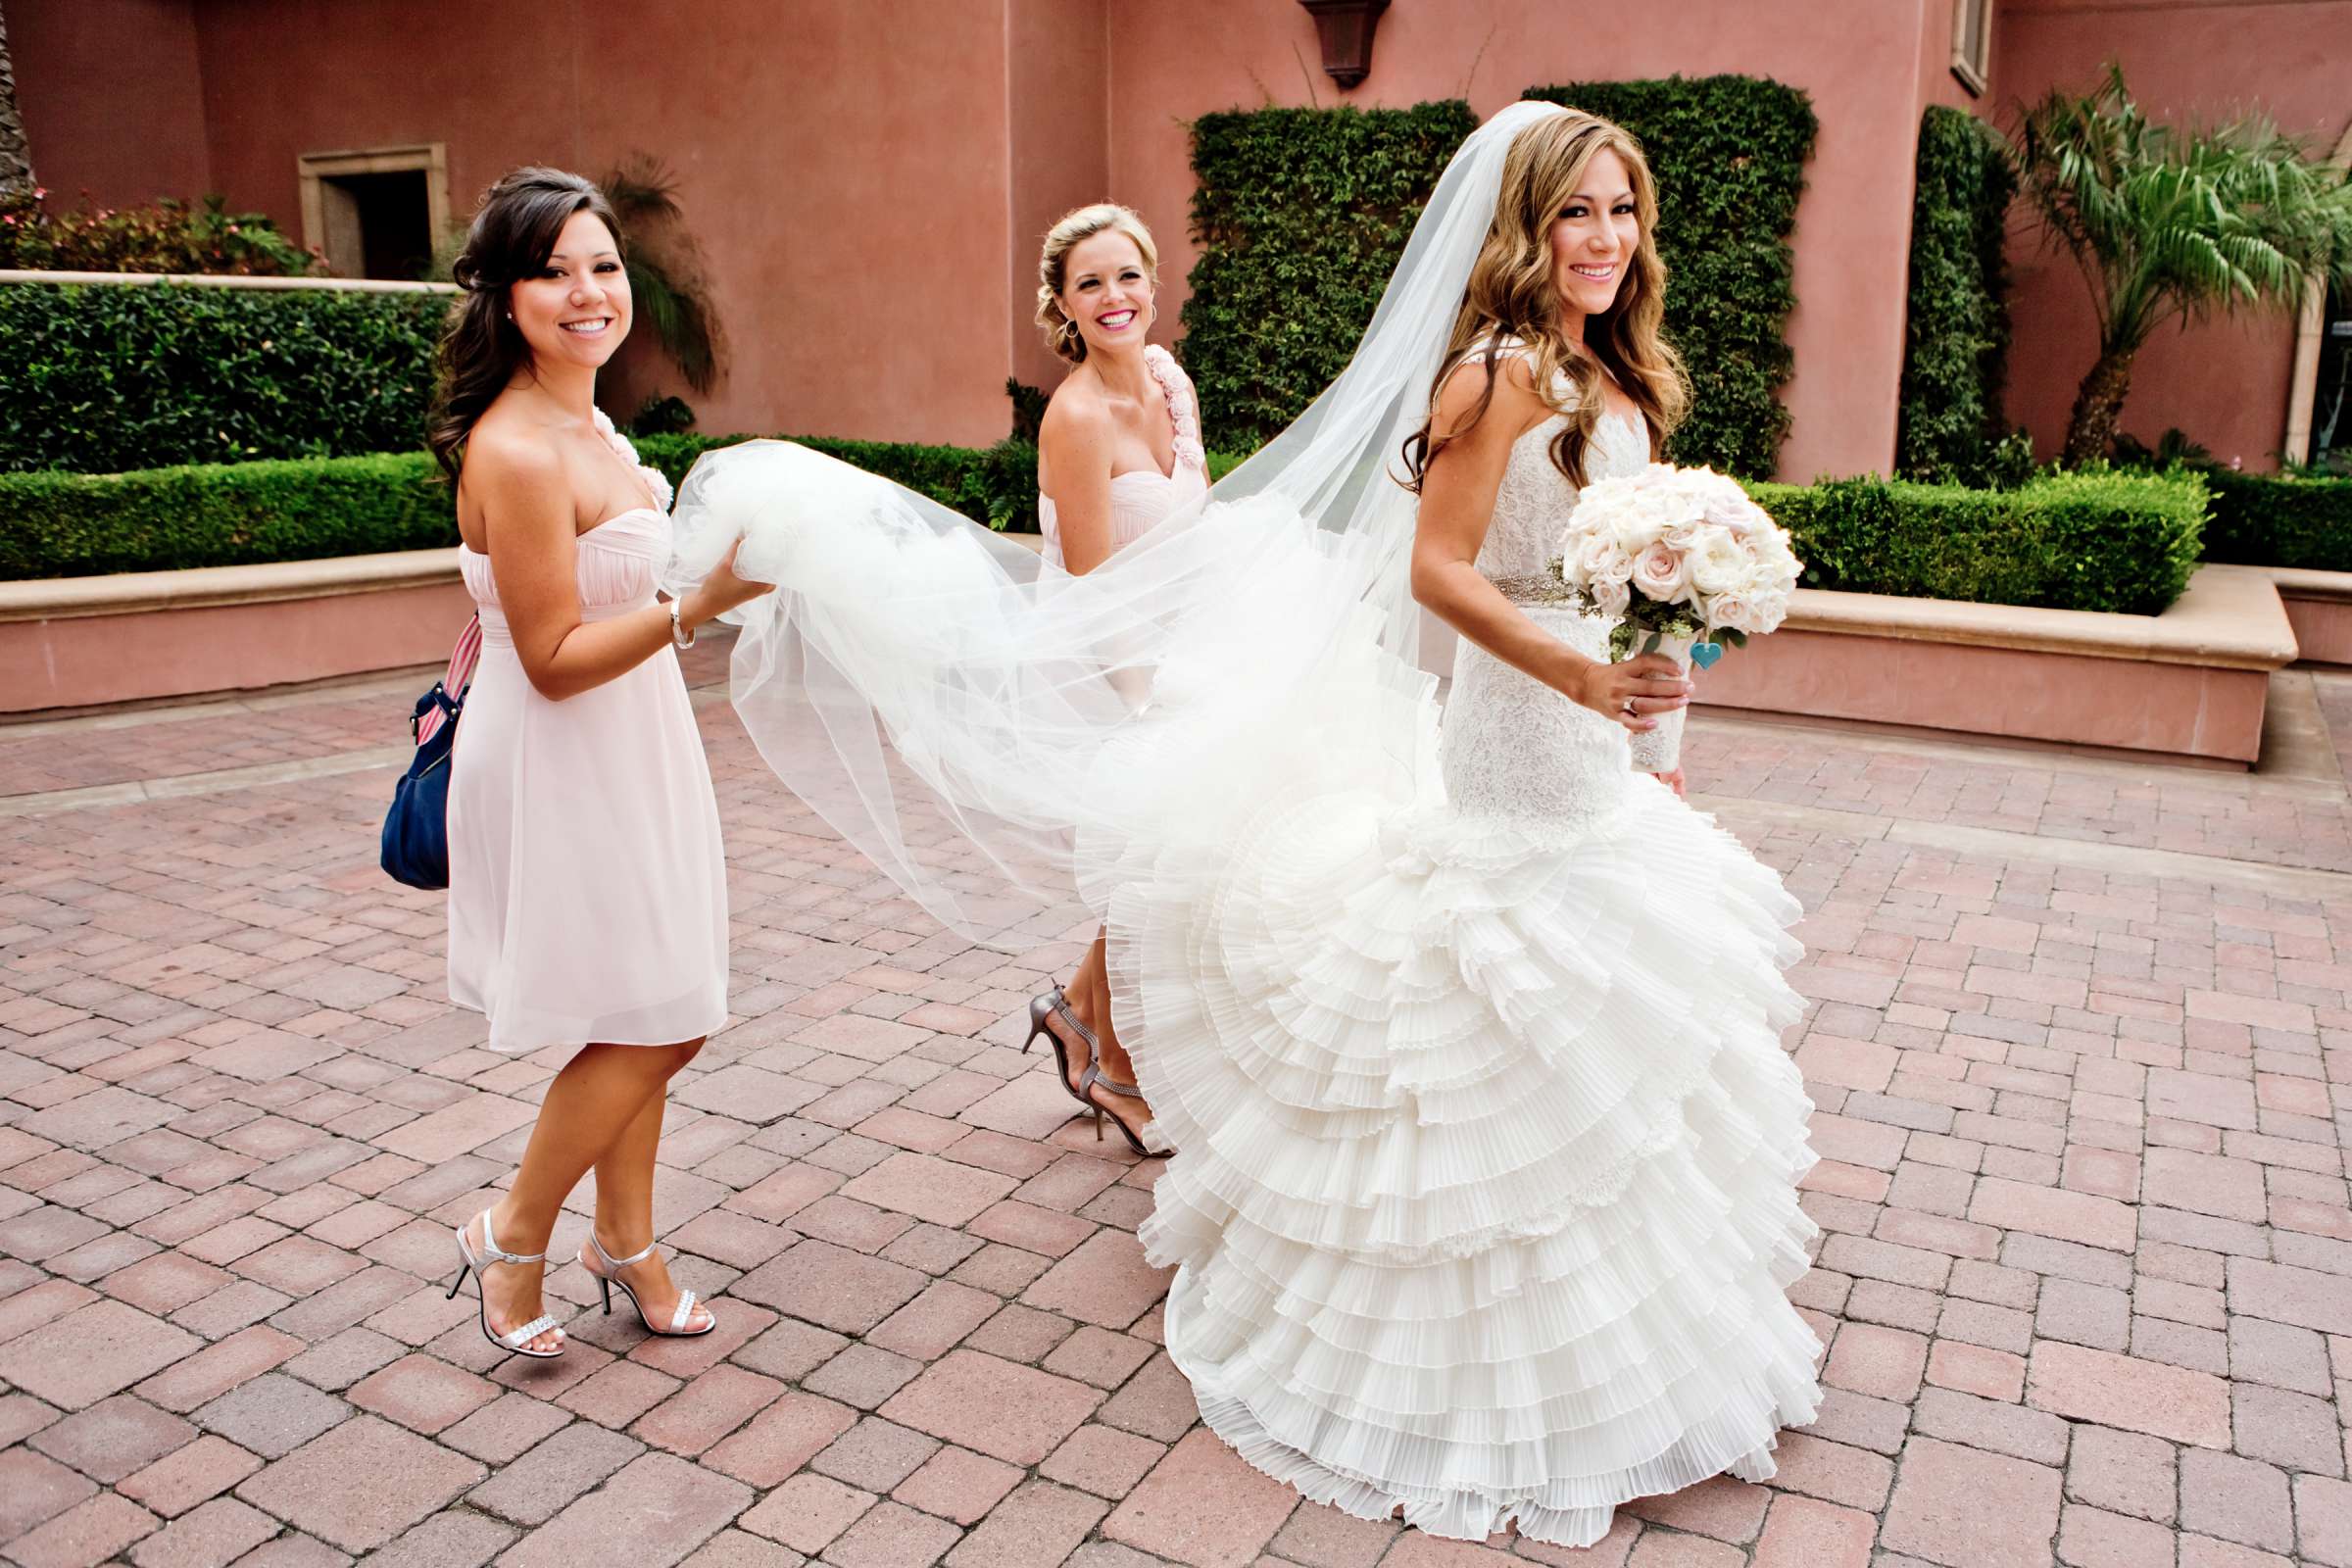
[1096, 1075]
[685, 1312]
[517, 1338]
[1061, 1005]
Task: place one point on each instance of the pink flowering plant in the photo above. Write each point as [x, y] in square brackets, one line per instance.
[1673, 552]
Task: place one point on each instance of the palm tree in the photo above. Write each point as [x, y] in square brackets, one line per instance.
[666, 267]
[15, 158]
[2171, 224]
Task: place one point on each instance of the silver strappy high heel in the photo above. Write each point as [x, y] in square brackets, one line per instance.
[515, 1341]
[609, 1276]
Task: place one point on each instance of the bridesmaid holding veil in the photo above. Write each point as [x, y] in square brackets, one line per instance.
[1118, 451]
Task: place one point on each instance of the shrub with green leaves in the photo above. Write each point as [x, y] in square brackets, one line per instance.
[106, 379]
[2102, 540]
[1957, 340]
[165, 235]
[1729, 155]
[2278, 519]
[1300, 215]
[227, 515]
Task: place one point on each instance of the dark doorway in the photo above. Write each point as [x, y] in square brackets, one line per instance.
[380, 225]
[2332, 394]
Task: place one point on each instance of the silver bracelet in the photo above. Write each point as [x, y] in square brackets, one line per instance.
[679, 636]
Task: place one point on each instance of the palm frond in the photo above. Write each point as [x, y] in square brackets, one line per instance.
[2178, 221]
[666, 267]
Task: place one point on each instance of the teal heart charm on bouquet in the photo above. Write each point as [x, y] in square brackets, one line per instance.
[1705, 655]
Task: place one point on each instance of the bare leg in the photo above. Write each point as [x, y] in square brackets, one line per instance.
[1089, 993]
[624, 1208]
[592, 1102]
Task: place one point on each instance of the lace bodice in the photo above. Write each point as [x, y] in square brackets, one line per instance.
[1533, 503]
[1510, 746]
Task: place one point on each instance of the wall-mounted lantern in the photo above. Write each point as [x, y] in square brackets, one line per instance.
[1346, 28]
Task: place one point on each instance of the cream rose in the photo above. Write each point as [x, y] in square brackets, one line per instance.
[1662, 574]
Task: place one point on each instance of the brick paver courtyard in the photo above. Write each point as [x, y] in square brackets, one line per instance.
[2081, 1042]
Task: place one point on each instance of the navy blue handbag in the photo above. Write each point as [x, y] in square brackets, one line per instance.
[415, 842]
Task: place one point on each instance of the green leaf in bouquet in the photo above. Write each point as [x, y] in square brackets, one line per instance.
[1651, 646]
[1732, 635]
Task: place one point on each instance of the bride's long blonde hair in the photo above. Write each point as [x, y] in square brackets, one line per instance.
[1510, 294]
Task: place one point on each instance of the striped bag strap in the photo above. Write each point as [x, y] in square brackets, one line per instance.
[455, 680]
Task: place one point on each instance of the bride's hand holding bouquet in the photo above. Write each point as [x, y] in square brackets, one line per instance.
[1685, 562]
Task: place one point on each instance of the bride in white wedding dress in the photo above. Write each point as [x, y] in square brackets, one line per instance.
[1483, 1203]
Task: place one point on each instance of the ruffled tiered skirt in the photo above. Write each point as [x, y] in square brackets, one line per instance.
[1486, 1199]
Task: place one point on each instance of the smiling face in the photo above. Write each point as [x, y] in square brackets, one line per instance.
[1594, 236]
[575, 310]
[1106, 290]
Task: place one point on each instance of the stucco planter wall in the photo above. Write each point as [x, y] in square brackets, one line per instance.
[2319, 604]
[2190, 683]
[78, 642]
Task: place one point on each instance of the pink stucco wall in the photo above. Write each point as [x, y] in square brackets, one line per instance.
[111, 98]
[2225, 383]
[868, 178]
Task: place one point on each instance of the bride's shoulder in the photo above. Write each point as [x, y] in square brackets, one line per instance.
[1509, 370]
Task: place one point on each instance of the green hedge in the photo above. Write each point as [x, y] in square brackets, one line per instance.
[1956, 342]
[227, 515]
[76, 524]
[1300, 215]
[2112, 541]
[102, 378]
[1728, 154]
[2271, 520]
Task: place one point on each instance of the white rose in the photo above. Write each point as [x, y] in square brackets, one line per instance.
[1662, 574]
[1719, 566]
[1612, 598]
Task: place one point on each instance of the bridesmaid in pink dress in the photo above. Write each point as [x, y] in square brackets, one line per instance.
[587, 896]
[1119, 451]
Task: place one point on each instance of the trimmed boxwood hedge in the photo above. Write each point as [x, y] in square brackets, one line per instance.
[2108, 541]
[2271, 519]
[158, 519]
[103, 378]
[2104, 541]
[1729, 155]
[1956, 343]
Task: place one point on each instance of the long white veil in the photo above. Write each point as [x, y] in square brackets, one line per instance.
[966, 716]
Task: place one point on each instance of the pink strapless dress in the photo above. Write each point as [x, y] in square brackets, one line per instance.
[587, 890]
[1141, 500]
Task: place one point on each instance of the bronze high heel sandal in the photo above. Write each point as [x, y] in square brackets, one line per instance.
[1053, 1002]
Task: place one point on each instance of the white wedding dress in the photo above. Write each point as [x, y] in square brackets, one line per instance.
[1484, 1199]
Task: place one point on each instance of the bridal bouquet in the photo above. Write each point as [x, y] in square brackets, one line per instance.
[1685, 562]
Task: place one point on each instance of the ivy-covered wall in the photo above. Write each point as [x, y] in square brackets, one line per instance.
[1300, 215]
[1956, 346]
[1729, 155]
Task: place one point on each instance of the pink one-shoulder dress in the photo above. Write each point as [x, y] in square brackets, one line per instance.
[587, 889]
[1142, 500]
